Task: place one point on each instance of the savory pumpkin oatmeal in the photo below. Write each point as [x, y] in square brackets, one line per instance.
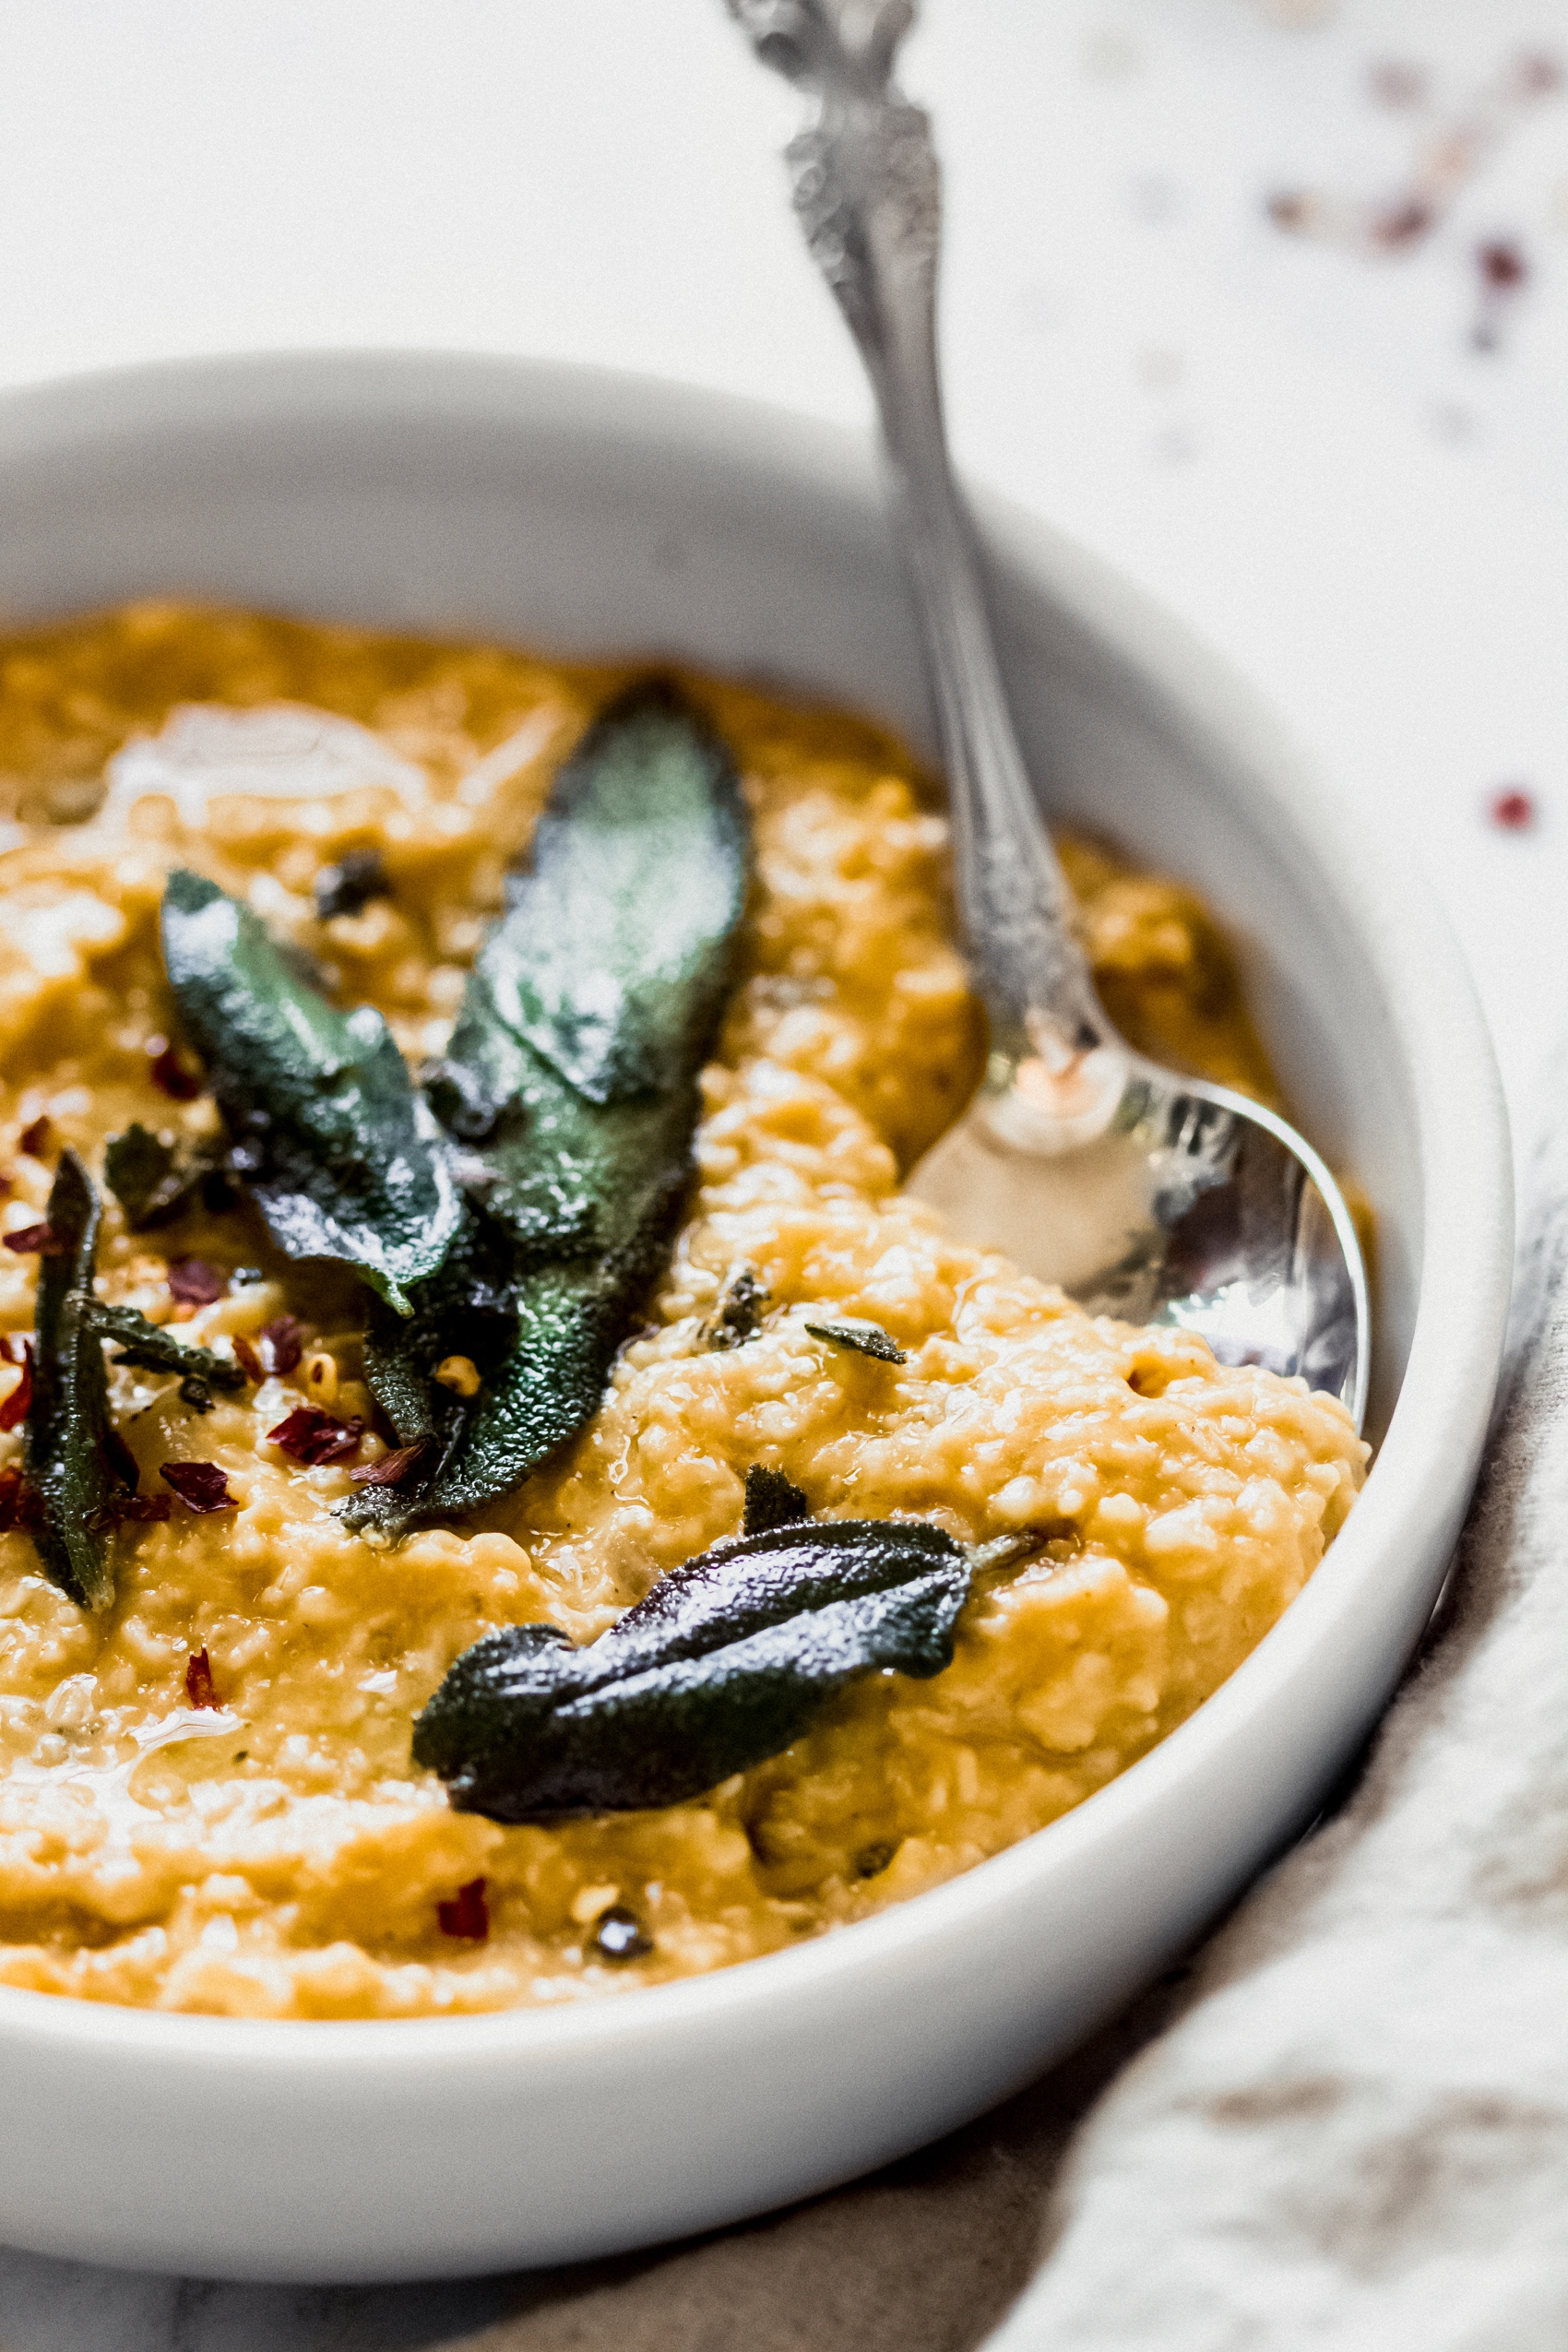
[476, 1357]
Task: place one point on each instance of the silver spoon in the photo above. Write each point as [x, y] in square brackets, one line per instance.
[1150, 1196]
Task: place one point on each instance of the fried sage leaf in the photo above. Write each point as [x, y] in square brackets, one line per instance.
[152, 1348]
[342, 1156]
[572, 1080]
[73, 1460]
[772, 1501]
[725, 1662]
[862, 1338]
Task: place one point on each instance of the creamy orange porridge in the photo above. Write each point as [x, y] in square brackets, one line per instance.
[208, 1798]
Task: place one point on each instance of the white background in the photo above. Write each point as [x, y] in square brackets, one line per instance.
[1294, 443]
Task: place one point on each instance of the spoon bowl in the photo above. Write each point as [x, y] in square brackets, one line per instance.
[1189, 1206]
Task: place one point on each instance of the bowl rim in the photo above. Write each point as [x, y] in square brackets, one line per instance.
[1443, 1409]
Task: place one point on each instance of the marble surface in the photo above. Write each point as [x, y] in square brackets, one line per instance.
[1223, 297]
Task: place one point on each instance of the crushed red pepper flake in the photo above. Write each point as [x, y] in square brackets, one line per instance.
[468, 1915]
[1501, 264]
[172, 1072]
[14, 1411]
[1513, 809]
[250, 1363]
[314, 1437]
[21, 1505]
[11, 1349]
[200, 1689]
[393, 1468]
[121, 1459]
[195, 1283]
[37, 1241]
[35, 1140]
[143, 1509]
[201, 1486]
[283, 1343]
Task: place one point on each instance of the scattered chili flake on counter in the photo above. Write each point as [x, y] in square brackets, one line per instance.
[1511, 808]
[200, 1689]
[173, 1072]
[37, 1241]
[314, 1437]
[194, 1283]
[201, 1486]
[14, 1411]
[468, 1915]
[35, 1140]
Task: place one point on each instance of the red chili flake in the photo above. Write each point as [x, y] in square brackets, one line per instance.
[11, 1350]
[121, 1460]
[469, 1915]
[250, 1363]
[37, 1241]
[283, 1343]
[1501, 264]
[1396, 82]
[21, 1505]
[394, 1467]
[194, 1283]
[7, 1185]
[199, 1687]
[1539, 72]
[35, 1140]
[201, 1486]
[173, 1071]
[1403, 223]
[1289, 209]
[1513, 809]
[145, 1509]
[309, 1435]
[14, 1411]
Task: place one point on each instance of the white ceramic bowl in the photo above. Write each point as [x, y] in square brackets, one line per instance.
[581, 511]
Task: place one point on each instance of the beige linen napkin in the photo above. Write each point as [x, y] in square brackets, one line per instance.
[1348, 2127]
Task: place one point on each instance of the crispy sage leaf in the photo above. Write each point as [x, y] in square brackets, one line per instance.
[154, 1349]
[74, 1460]
[342, 1156]
[725, 1662]
[572, 1080]
[772, 1501]
[864, 1338]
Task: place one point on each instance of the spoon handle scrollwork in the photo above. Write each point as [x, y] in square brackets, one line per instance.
[867, 192]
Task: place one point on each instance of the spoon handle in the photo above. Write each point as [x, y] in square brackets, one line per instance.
[867, 192]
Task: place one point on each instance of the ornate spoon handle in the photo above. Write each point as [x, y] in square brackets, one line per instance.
[867, 191]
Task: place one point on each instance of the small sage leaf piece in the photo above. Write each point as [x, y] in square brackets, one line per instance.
[724, 1662]
[772, 1501]
[865, 1338]
[739, 1314]
[74, 1461]
[152, 1349]
[571, 1080]
[151, 1177]
[342, 1157]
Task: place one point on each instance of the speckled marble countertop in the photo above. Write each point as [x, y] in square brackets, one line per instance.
[1264, 300]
